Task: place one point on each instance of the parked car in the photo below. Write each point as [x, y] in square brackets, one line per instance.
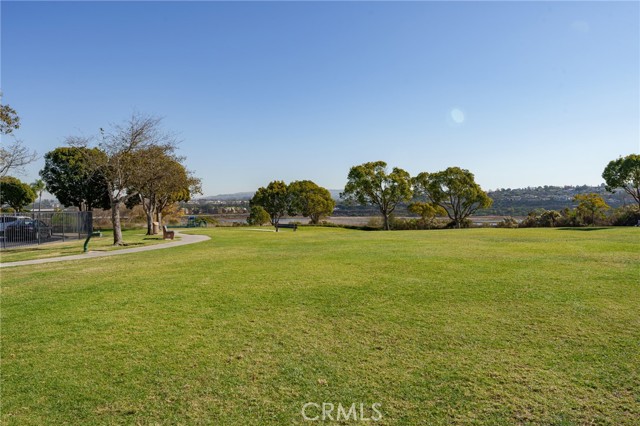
[27, 229]
[6, 220]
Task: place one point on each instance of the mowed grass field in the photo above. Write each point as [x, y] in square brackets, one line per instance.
[481, 326]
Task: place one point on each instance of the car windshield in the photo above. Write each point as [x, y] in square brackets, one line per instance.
[23, 222]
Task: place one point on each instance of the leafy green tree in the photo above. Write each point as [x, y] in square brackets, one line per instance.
[369, 183]
[590, 207]
[258, 216]
[311, 200]
[70, 175]
[426, 211]
[15, 193]
[275, 199]
[455, 190]
[624, 173]
[160, 180]
[179, 188]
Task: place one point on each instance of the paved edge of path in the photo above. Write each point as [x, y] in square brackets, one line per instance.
[185, 239]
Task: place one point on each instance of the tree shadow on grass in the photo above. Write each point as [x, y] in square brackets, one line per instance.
[582, 229]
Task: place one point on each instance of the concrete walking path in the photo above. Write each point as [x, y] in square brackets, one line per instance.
[185, 239]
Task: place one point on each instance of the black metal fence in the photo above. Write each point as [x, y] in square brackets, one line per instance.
[33, 228]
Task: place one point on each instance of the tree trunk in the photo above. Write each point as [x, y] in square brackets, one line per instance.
[149, 224]
[150, 215]
[159, 218]
[115, 221]
[385, 221]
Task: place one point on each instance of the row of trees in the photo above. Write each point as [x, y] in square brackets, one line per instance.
[136, 163]
[132, 163]
[271, 203]
[453, 192]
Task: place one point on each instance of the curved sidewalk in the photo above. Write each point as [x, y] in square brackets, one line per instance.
[185, 239]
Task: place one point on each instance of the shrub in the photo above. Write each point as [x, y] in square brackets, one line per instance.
[549, 218]
[466, 223]
[209, 220]
[375, 223]
[570, 218]
[415, 224]
[258, 216]
[625, 216]
[542, 218]
[508, 222]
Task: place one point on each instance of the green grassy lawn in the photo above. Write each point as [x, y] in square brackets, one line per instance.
[482, 326]
[132, 238]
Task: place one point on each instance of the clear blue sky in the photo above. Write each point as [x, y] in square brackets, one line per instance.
[521, 94]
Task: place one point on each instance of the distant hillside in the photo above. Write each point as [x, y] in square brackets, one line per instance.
[506, 202]
[238, 196]
[520, 201]
[244, 196]
[335, 193]
[517, 202]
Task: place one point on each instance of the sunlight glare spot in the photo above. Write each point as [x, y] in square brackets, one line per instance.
[457, 116]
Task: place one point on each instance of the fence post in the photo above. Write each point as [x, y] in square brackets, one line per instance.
[36, 219]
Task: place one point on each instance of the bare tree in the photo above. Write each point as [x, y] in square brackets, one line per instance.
[15, 156]
[126, 147]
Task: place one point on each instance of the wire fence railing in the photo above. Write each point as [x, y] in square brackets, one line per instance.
[34, 228]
